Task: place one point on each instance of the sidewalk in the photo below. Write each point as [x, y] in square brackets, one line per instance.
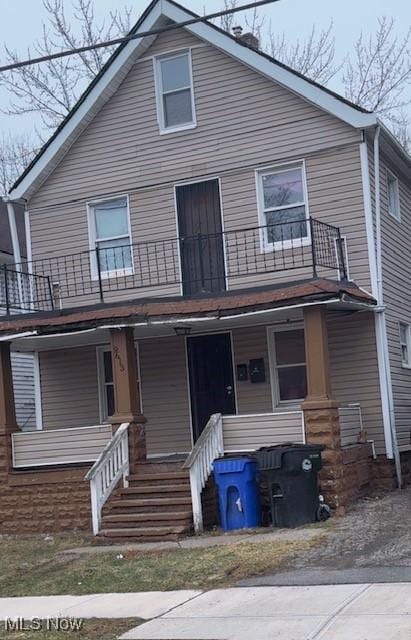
[332, 612]
[339, 612]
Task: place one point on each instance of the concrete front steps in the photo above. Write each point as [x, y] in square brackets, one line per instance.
[155, 506]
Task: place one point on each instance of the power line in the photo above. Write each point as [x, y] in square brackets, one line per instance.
[134, 36]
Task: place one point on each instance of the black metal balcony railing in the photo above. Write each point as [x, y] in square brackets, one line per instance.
[197, 264]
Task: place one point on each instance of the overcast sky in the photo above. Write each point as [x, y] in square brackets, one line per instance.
[21, 22]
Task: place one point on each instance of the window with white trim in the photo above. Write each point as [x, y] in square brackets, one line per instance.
[393, 194]
[106, 381]
[175, 94]
[290, 365]
[405, 344]
[283, 206]
[110, 233]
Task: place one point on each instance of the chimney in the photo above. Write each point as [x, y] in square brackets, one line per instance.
[250, 40]
[237, 31]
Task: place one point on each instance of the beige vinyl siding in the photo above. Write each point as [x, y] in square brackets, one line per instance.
[122, 152]
[250, 432]
[22, 366]
[396, 265]
[250, 343]
[69, 388]
[62, 446]
[350, 424]
[354, 369]
[164, 393]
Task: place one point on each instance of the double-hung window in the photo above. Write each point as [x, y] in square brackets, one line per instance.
[393, 192]
[106, 382]
[405, 344]
[175, 95]
[109, 223]
[282, 205]
[290, 370]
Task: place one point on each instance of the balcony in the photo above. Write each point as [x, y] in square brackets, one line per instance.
[189, 266]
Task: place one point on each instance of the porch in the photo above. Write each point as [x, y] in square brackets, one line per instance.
[141, 390]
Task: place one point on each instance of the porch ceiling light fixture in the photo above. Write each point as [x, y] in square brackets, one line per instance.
[182, 331]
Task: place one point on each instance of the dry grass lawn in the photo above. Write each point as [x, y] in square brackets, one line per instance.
[36, 566]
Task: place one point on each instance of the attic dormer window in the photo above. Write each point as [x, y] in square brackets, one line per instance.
[174, 89]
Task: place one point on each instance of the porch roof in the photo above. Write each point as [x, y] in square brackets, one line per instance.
[177, 309]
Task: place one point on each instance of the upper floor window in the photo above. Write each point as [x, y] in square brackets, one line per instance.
[405, 340]
[282, 204]
[393, 191]
[109, 226]
[175, 95]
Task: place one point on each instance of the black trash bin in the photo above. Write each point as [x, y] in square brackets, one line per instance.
[291, 472]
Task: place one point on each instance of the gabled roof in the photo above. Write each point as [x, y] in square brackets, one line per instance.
[159, 13]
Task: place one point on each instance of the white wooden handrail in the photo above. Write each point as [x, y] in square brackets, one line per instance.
[105, 473]
[208, 447]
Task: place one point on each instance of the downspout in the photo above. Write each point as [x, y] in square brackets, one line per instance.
[381, 327]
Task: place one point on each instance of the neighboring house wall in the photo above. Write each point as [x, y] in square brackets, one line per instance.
[121, 152]
[396, 264]
[24, 397]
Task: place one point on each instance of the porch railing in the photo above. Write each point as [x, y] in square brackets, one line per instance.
[112, 465]
[201, 263]
[57, 447]
[208, 447]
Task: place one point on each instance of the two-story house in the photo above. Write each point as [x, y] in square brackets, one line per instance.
[218, 261]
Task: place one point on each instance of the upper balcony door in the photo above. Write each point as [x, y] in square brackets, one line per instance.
[201, 238]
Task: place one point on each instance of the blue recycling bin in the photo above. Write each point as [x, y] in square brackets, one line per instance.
[238, 493]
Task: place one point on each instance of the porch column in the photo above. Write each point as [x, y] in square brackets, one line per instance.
[8, 424]
[322, 425]
[126, 391]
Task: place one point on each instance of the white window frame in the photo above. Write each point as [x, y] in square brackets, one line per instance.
[114, 273]
[405, 365]
[394, 213]
[101, 383]
[159, 92]
[275, 386]
[286, 244]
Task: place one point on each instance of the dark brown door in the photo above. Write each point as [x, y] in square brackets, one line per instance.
[201, 244]
[210, 367]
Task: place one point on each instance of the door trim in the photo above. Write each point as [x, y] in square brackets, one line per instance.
[199, 335]
[185, 183]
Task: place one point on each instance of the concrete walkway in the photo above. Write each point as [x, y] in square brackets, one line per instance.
[144, 605]
[336, 612]
[339, 612]
[202, 542]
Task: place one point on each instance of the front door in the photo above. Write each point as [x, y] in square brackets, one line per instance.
[201, 238]
[211, 378]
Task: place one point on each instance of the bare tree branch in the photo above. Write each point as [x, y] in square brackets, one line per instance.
[313, 57]
[52, 88]
[16, 152]
[378, 75]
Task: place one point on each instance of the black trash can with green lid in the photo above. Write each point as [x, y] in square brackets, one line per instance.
[291, 473]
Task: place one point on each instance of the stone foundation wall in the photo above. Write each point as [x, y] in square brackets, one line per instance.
[45, 502]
